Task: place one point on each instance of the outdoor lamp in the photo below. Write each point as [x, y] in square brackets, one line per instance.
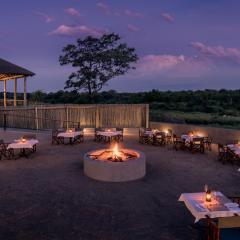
[208, 196]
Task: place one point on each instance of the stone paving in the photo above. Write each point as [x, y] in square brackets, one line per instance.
[48, 197]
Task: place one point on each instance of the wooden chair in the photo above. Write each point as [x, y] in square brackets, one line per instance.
[230, 155]
[5, 152]
[197, 145]
[98, 137]
[159, 139]
[223, 228]
[207, 143]
[145, 138]
[222, 153]
[78, 139]
[178, 143]
[55, 139]
[120, 136]
[169, 137]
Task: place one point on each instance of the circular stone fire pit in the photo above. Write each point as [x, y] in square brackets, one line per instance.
[113, 165]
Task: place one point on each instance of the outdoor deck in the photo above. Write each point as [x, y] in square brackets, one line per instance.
[48, 197]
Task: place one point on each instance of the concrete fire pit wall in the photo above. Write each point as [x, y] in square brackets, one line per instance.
[219, 135]
[108, 171]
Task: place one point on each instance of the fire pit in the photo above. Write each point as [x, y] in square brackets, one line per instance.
[115, 165]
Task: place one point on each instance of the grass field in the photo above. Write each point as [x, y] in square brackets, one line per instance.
[197, 118]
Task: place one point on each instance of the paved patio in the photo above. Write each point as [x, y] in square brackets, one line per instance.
[48, 197]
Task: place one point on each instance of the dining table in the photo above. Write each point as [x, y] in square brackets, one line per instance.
[219, 207]
[23, 146]
[70, 135]
[109, 135]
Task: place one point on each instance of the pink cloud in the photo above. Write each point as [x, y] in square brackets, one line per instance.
[46, 17]
[158, 63]
[218, 52]
[132, 14]
[167, 17]
[173, 66]
[65, 30]
[132, 28]
[104, 8]
[72, 11]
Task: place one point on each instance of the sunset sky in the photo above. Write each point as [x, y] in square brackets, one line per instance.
[182, 44]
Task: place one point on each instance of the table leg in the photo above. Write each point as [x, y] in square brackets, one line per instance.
[23, 153]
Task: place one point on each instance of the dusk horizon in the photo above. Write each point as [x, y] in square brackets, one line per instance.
[181, 46]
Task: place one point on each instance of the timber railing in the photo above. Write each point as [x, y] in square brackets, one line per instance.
[64, 116]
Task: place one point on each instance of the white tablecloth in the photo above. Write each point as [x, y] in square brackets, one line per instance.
[70, 134]
[189, 138]
[20, 145]
[235, 148]
[151, 132]
[195, 202]
[109, 134]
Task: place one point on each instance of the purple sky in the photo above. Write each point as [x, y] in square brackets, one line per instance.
[182, 44]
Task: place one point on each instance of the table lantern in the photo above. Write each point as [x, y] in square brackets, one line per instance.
[208, 196]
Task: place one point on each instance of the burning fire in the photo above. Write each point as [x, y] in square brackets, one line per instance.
[116, 152]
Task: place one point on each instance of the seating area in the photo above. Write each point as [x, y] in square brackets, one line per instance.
[186, 142]
[22, 147]
[229, 153]
[81, 201]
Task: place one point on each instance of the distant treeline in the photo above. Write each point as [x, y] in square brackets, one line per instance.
[222, 102]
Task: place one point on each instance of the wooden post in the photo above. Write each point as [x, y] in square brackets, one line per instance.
[67, 118]
[15, 92]
[25, 92]
[36, 118]
[147, 115]
[97, 116]
[5, 93]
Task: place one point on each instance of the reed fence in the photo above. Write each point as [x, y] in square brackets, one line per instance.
[64, 116]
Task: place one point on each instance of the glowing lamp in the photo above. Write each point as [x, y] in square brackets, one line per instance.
[23, 140]
[208, 196]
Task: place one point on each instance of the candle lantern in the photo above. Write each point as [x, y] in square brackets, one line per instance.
[208, 196]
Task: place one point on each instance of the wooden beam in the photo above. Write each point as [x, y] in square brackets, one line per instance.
[25, 91]
[6, 77]
[5, 93]
[15, 92]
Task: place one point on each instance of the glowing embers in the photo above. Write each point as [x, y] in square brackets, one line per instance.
[114, 154]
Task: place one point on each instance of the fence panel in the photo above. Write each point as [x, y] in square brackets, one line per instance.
[64, 116]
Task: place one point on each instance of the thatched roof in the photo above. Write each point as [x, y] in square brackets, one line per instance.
[9, 71]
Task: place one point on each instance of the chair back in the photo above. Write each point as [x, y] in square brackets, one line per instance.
[197, 140]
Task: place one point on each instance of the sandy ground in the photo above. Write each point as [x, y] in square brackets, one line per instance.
[48, 197]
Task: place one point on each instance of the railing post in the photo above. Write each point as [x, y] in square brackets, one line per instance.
[147, 115]
[67, 118]
[97, 123]
[36, 118]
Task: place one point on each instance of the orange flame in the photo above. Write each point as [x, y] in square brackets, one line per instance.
[116, 151]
